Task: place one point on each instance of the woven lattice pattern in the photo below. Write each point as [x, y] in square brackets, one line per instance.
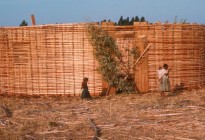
[50, 59]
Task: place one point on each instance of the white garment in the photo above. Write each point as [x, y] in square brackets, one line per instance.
[162, 72]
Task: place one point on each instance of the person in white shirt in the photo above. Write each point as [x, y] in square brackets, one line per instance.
[163, 75]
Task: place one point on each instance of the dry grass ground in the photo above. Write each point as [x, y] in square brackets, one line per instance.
[118, 117]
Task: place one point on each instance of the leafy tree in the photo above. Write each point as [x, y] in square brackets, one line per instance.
[104, 20]
[142, 19]
[24, 23]
[132, 21]
[111, 61]
[120, 22]
[127, 20]
[137, 19]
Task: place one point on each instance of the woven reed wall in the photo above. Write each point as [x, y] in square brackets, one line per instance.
[53, 59]
[50, 59]
[181, 46]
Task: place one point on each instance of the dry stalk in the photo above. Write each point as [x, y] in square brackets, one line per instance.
[96, 129]
[7, 111]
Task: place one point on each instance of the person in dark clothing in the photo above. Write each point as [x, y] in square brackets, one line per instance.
[85, 93]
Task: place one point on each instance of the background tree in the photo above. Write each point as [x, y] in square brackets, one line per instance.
[24, 23]
[142, 19]
[136, 19]
[127, 20]
[132, 21]
[120, 22]
[104, 20]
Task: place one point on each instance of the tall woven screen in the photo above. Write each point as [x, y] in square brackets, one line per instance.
[49, 59]
[182, 47]
[53, 59]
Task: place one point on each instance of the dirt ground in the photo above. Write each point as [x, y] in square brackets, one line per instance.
[115, 117]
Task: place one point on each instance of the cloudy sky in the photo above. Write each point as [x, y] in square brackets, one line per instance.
[12, 12]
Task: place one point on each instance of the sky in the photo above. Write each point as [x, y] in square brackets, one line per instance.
[13, 12]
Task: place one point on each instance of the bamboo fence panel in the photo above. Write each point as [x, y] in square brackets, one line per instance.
[48, 59]
[182, 48]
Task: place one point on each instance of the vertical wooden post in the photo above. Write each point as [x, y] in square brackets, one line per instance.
[33, 20]
[141, 69]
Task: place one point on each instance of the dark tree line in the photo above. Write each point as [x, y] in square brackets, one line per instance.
[127, 21]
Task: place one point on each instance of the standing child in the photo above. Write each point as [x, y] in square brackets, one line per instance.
[163, 76]
[85, 93]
